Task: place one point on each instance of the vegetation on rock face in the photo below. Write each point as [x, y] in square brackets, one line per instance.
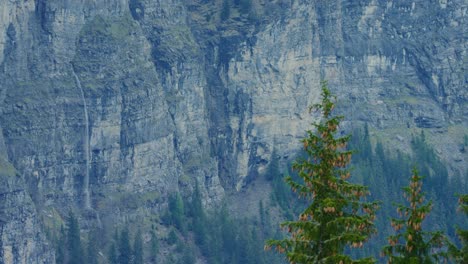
[387, 167]
[226, 10]
[332, 221]
[69, 247]
[125, 250]
[337, 217]
[92, 247]
[412, 244]
[460, 255]
[217, 236]
[138, 249]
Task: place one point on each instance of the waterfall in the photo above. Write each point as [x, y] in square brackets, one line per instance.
[86, 143]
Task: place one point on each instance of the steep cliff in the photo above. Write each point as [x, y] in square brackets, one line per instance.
[108, 106]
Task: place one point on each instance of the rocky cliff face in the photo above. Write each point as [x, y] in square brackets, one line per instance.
[109, 106]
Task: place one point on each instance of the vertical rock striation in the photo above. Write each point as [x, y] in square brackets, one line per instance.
[171, 95]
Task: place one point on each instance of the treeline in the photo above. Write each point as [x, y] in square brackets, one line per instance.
[385, 174]
[338, 216]
[192, 233]
[216, 236]
[72, 249]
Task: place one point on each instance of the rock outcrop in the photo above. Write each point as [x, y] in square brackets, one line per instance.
[108, 106]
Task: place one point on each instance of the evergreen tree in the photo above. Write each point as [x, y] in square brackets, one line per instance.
[176, 212]
[75, 253]
[228, 234]
[125, 250]
[154, 247]
[366, 143]
[261, 213]
[245, 6]
[226, 10]
[273, 167]
[61, 247]
[92, 248]
[412, 244]
[172, 237]
[113, 253]
[336, 217]
[138, 248]
[188, 256]
[461, 255]
[199, 219]
[281, 192]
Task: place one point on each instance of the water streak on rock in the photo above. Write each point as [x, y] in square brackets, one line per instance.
[86, 143]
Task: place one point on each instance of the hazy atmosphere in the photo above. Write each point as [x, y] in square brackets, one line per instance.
[187, 131]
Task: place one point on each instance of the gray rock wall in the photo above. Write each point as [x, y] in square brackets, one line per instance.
[175, 95]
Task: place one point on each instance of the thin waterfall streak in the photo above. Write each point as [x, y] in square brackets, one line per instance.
[86, 143]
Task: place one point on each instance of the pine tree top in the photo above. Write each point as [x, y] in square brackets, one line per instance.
[412, 244]
[336, 217]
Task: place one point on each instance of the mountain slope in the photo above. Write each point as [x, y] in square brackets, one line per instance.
[107, 107]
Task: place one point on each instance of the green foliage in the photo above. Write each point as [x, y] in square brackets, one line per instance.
[175, 213]
[336, 217]
[154, 247]
[125, 250]
[425, 156]
[61, 247]
[121, 250]
[273, 170]
[75, 252]
[234, 240]
[245, 6]
[118, 29]
[281, 194]
[411, 244]
[463, 201]
[460, 255]
[188, 255]
[218, 236]
[172, 238]
[92, 248]
[113, 253]
[6, 168]
[138, 256]
[226, 10]
[198, 219]
[381, 170]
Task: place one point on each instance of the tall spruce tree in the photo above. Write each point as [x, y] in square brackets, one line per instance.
[125, 250]
[461, 255]
[177, 212]
[60, 254]
[225, 10]
[199, 218]
[138, 248]
[336, 216]
[75, 251]
[92, 247]
[112, 253]
[154, 247]
[412, 244]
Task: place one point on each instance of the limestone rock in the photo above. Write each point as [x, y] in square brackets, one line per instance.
[122, 102]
